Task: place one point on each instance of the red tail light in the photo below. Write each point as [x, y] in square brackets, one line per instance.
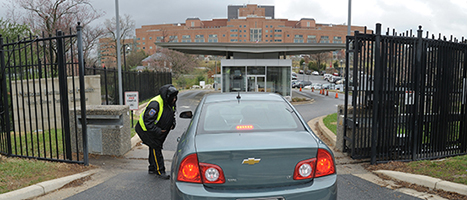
[212, 173]
[324, 164]
[192, 171]
[189, 170]
[304, 169]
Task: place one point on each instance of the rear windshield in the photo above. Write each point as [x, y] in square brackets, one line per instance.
[248, 116]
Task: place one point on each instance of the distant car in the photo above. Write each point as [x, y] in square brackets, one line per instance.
[322, 73]
[250, 146]
[342, 81]
[294, 74]
[333, 79]
[329, 86]
[327, 76]
[316, 73]
[294, 78]
[302, 84]
[340, 87]
[300, 72]
[295, 83]
[308, 72]
[316, 86]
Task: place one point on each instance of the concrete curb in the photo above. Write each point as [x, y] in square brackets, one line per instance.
[426, 181]
[44, 187]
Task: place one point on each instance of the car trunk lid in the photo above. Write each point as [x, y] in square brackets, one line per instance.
[256, 159]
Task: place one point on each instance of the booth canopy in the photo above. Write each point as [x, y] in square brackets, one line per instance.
[222, 49]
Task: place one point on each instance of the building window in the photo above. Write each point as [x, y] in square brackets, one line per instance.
[255, 35]
[150, 38]
[266, 31]
[298, 36]
[277, 35]
[233, 40]
[266, 35]
[144, 47]
[144, 43]
[266, 26]
[244, 35]
[233, 35]
[150, 47]
[278, 30]
[244, 31]
[288, 35]
[192, 23]
[186, 40]
[278, 40]
[240, 36]
[199, 40]
[324, 39]
[298, 40]
[307, 24]
[223, 35]
[213, 36]
[185, 36]
[233, 30]
[143, 38]
[212, 40]
[244, 26]
[199, 36]
[137, 38]
[311, 39]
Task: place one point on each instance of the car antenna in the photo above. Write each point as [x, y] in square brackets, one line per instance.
[238, 97]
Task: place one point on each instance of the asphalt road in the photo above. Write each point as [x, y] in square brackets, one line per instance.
[128, 179]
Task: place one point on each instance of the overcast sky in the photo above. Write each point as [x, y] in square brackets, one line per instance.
[448, 17]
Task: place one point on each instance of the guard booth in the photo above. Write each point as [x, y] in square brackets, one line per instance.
[257, 75]
[255, 67]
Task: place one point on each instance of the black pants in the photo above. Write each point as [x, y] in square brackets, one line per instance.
[156, 160]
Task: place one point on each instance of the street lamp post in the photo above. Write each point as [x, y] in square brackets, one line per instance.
[340, 69]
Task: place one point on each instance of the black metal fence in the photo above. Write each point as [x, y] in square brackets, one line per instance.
[40, 81]
[147, 83]
[408, 96]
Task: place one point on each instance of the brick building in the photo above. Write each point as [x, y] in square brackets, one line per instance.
[245, 24]
[107, 51]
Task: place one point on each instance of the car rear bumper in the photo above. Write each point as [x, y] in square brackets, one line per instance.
[322, 188]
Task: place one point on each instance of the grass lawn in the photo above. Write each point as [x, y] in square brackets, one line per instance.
[330, 122]
[452, 169]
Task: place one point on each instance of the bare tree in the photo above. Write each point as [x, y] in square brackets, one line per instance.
[48, 16]
[321, 58]
[45, 17]
[179, 62]
[127, 26]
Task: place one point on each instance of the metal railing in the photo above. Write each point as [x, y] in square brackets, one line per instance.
[147, 83]
[408, 97]
[38, 80]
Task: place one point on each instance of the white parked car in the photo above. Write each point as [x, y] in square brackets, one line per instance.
[327, 76]
[316, 73]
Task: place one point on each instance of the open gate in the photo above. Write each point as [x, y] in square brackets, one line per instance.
[40, 81]
[408, 96]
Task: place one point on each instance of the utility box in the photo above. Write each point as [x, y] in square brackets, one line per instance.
[108, 129]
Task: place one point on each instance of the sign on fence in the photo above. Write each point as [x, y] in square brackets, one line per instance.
[131, 99]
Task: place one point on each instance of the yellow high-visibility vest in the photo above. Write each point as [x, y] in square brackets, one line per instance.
[159, 100]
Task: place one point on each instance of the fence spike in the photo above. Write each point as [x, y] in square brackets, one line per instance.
[410, 33]
[427, 34]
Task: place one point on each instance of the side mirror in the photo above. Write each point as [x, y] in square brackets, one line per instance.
[186, 114]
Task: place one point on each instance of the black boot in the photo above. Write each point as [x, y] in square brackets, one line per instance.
[163, 175]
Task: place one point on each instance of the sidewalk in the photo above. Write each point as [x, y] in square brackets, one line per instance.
[344, 165]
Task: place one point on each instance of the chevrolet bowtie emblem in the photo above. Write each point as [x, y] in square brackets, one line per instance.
[251, 161]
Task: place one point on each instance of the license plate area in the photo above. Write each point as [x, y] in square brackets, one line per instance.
[264, 198]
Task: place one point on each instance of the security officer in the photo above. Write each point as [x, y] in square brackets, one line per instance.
[155, 123]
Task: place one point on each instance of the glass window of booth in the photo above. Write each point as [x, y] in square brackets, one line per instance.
[233, 79]
[278, 80]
